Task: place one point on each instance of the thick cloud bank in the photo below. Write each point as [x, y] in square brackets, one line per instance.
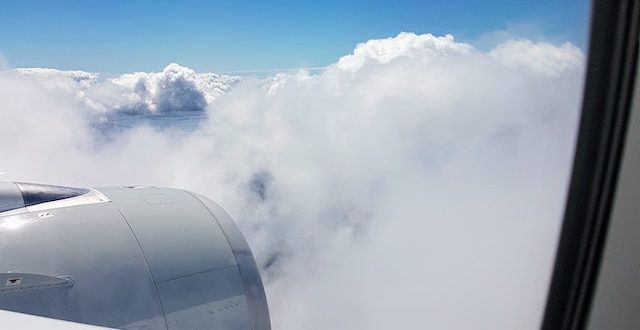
[416, 183]
[176, 88]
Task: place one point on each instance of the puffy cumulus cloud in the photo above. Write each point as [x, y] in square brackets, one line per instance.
[403, 45]
[176, 88]
[423, 191]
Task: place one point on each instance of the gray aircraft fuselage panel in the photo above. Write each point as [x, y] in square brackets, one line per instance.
[131, 258]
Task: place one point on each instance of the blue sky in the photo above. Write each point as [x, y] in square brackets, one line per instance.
[231, 36]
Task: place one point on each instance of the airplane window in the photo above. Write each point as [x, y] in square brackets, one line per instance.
[326, 165]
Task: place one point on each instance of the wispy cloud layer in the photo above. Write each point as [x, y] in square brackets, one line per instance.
[4, 64]
[416, 183]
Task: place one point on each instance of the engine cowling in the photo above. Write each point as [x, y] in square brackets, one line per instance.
[126, 257]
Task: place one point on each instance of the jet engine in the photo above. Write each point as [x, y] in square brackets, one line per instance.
[126, 257]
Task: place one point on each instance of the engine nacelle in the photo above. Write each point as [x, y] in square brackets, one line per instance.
[126, 257]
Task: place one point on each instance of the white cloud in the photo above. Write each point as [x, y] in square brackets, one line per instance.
[541, 57]
[4, 64]
[403, 45]
[418, 182]
[176, 88]
[84, 79]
